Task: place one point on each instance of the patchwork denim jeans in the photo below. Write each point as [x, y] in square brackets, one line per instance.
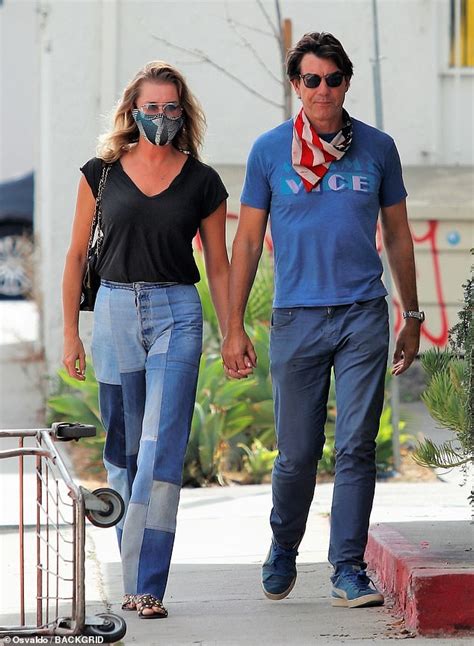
[305, 344]
[146, 346]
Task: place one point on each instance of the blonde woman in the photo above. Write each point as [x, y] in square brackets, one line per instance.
[147, 333]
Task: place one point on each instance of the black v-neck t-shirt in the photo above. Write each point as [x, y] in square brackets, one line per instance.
[150, 238]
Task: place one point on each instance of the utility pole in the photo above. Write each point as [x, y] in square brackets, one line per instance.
[285, 42]
[376, 69]
[394, 385]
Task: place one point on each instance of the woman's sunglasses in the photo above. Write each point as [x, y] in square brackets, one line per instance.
[314, 80]
[152, 109]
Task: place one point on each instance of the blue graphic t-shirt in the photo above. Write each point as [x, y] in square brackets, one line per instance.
[324, 241]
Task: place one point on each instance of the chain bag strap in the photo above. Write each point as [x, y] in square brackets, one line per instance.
[91, 280]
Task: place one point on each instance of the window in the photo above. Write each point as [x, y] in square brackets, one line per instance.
[461, 33]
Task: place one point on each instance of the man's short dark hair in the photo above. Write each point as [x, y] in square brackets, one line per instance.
[323, 45]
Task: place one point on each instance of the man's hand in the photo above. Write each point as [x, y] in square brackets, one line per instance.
[238, 354]
[406, 347]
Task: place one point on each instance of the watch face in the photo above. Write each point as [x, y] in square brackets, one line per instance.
[420, 316]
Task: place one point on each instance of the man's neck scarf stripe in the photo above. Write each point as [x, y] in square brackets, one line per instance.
[312, 156]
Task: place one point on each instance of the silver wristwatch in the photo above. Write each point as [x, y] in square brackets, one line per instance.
[412, 314]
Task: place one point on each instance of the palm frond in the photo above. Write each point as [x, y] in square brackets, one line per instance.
[435, 360]
[446, 404]
[443, 456]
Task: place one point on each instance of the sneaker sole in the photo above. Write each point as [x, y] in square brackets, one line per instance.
[282, 595]
[367, 600]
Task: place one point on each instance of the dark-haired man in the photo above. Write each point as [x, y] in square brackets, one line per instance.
[323, 177]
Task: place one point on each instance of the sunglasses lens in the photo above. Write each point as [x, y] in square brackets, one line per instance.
[172, 110]
[311, 80]
[314, 80]
[334, 79]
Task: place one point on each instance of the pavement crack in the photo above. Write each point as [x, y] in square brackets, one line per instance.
[100, 582]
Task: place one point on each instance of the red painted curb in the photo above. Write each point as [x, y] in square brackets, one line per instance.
[432, 599]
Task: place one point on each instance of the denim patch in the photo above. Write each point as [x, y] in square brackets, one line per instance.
[163, 506]
[143, 481]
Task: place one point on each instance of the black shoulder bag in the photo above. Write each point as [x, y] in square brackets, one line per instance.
[91, 279]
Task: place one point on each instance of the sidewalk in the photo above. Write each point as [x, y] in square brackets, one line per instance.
[214, 596]
[21, 366]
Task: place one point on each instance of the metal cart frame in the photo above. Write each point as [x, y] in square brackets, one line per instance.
[55, 553]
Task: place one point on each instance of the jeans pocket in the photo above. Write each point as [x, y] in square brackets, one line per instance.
[281, 316]
[372, 304]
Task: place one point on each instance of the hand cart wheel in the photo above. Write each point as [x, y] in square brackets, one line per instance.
[113, 514]
[111, 628]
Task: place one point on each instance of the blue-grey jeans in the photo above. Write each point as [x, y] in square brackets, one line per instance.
[305, 343]
[146, 347]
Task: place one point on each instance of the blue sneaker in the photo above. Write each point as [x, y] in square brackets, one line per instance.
[279, 571]
[352, 588]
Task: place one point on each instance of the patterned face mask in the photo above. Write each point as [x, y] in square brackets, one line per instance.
[158, 130]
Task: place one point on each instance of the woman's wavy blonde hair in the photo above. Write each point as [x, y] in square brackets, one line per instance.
[125, 131]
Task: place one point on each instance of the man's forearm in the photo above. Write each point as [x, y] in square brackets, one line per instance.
[402, 265]
[245, 257]
[399, 247]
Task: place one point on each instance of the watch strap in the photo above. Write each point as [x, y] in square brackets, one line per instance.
[414, 314]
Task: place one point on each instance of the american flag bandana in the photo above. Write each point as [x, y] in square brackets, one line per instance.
[312, 156]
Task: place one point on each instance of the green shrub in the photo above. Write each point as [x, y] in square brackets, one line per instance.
[221, 412]
[447, 399]
[78, 401]
[449, 396]
[384, 450]
[258, 460]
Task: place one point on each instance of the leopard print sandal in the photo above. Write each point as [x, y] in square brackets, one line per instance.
[149, 602]
[129, 602]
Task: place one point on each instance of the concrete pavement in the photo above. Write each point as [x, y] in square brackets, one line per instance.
[22, 371]
[214, 595]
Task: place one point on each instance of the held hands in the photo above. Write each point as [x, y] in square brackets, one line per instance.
[74, 358]
[406, 347]
[238, 354]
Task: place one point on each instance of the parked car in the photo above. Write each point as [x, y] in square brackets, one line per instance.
[16, 237]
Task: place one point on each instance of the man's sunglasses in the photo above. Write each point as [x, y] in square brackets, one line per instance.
[314, 80]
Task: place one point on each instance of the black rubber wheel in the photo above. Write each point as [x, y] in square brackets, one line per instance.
[16, 261]
[114, 513]
[112, 631]
[64, 431]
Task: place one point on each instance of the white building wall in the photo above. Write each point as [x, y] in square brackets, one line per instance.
[69, 102]
[18, 87]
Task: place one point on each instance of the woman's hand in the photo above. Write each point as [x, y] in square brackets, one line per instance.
[74, 358]
[238, 354]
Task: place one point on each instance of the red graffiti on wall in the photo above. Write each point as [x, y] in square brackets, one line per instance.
[430, 238]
